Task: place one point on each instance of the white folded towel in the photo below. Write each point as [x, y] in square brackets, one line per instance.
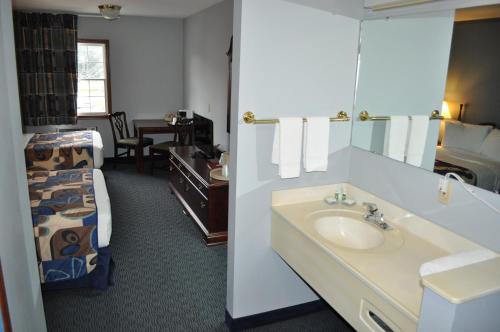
[287, 147]
[455, 261]
[396, 134]
[316, 139]
[417, 139]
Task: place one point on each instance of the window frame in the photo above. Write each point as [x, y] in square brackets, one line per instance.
[109, 109]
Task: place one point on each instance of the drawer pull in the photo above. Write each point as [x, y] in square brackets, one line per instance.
[186, 188]
[380, 322]
[171, 168]
[202, 204]
[181, 180]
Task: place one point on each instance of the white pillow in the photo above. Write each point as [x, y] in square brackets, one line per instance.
[491, 145]
[464, 135]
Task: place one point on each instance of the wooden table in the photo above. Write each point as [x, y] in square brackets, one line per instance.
[153, 126]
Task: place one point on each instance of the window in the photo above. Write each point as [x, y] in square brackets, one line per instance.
[94, 95]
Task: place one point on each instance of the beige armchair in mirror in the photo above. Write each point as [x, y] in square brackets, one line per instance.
[427, 92]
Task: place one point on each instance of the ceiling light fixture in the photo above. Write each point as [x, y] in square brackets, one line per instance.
[110, 12]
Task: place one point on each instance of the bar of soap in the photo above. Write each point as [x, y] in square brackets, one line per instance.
[330, 200]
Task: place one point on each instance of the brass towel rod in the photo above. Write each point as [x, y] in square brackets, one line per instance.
[249, 118]
[364, 116]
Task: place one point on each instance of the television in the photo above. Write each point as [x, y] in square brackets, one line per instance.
[203, 135]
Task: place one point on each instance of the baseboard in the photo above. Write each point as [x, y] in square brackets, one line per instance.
[247, 322]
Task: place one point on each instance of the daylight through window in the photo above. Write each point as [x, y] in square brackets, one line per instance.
[93, 78]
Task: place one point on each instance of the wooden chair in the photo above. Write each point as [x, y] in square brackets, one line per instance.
[118, 121]
[183, 136]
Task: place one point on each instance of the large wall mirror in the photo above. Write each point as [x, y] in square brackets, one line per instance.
[411, 68]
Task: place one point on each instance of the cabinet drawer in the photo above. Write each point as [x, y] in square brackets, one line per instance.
[188, 188]
[176, 179]
[175, 165]
[200, 186]
[196, 201]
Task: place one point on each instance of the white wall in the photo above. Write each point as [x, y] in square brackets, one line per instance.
[206, 40]
[402, 71]
[17, 247]
[290, 60]
[146, 58]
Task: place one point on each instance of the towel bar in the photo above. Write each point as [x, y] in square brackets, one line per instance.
[249, 118]
[364, 116]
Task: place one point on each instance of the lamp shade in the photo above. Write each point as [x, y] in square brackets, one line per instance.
[110, 12]
[445, 110]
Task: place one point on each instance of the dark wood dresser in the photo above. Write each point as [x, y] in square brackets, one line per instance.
[204, 199]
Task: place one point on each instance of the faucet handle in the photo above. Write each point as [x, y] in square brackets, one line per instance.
[371, 207]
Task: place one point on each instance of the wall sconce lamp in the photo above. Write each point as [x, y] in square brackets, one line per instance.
[445, 110]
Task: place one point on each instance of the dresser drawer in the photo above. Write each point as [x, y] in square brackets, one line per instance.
[200, 186]
[175, 178]
[196, 201]
[188, 188]
[175, 164]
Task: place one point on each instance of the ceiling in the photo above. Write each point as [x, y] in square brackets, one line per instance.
[157, 8]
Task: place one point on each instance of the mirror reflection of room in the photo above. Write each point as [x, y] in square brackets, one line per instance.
[402, 87]
[469, 142]
[398, 79]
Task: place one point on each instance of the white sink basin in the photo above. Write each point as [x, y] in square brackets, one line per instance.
[347, 230]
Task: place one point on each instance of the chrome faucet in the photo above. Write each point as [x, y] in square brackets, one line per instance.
[374, 216]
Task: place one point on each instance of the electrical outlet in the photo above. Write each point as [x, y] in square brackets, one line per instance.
[444, 191]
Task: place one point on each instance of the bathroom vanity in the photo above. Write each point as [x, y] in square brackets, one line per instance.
[369, 274]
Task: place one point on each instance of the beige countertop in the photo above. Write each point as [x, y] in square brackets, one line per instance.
[466, 283]
[393, 270]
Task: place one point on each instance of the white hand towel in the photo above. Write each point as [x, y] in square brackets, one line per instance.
[455, 261]
[396, 134]
[275, 159]
[316, 139]
[418, 137]
[287, 147]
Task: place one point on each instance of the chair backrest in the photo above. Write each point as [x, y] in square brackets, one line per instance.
[118, 121]
[184, 132]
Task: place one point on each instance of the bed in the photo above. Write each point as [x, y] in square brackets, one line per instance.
[71, 217]
[485, 173]
[473, 152]
[63, 150]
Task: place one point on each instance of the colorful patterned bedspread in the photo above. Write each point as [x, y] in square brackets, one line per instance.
[54, 151]
[442, 168]
[64, 215]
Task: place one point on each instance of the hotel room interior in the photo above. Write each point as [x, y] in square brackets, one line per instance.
[265, 165]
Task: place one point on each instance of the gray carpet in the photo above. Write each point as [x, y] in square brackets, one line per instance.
[166, 279]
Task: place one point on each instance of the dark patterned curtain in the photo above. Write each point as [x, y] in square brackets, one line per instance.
[46, 48]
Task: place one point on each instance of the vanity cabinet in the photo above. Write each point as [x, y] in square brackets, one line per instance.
[364, 306]
[203, 198]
